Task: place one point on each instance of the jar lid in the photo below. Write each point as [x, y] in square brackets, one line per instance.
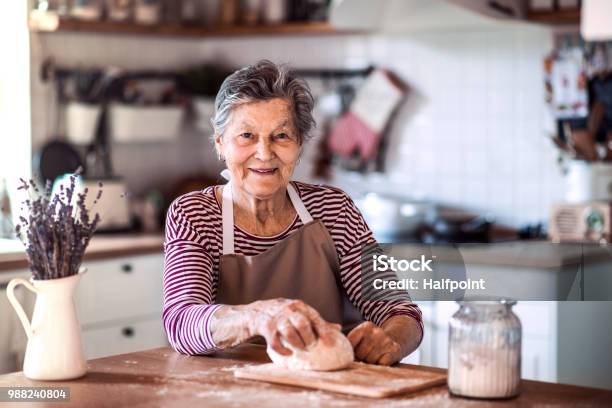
[487, 300]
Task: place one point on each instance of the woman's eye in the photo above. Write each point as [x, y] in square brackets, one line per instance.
[246, 135]
[283, 136]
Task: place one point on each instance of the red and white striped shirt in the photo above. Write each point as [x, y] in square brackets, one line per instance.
[193, 247]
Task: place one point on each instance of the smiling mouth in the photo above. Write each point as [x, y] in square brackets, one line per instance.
[264, 172]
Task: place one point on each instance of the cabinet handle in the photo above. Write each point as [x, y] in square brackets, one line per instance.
[127, 268]
[127, 332]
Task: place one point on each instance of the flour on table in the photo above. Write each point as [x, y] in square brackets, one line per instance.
[318, 357]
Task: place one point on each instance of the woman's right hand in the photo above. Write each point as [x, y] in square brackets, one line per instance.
[287, 322]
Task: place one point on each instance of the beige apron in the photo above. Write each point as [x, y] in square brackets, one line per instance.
[302, 266]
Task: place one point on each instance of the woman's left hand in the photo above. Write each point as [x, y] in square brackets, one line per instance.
[373, 345]
[386, 345]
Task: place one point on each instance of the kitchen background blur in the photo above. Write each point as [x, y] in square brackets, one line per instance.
[487, 122]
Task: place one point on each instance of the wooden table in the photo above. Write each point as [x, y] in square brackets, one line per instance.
[163, 377]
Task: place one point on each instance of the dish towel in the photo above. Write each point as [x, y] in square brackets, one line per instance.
[362, 126]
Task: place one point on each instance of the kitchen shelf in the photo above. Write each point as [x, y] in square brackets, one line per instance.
[52, 24]
[557, 17]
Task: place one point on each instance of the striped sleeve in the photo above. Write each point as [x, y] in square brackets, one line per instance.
[187, 285]
[354, 241]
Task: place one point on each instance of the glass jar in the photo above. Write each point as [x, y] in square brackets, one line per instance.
[209, 13]
[251, 10]
[147, 11]
[61, 7]
[119, 10]
[484, 350]
[89, 10]
[274, 11]
[190, 12]
[228, 12]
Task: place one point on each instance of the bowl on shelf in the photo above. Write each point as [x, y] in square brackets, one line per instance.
[131, 123]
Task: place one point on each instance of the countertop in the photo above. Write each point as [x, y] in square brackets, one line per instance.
[12, 253]
[527, 254]
[163, 377]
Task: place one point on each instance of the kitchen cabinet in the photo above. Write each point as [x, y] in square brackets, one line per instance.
[539, 350]
[119, 302]
[120, 288]
[12, 335]
[554, 346]
[584, 340]
[566, 342]
[120, 338]
[539, 337]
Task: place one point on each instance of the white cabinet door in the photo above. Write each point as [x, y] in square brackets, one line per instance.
[538, 319]
[120, 288]
[539, 348]
[584, 352]
[424, 350]
[537, 359]
[12, 335]
[443, 311]
[538, 345]
[124, 338]
[119, 303]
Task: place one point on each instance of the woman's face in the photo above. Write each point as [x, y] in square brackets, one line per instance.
[261, 146]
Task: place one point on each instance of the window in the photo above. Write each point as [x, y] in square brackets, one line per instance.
[15, 125]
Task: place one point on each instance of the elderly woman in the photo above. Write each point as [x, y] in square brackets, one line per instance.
[263, 256]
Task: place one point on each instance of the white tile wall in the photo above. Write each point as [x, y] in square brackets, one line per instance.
[470, 133]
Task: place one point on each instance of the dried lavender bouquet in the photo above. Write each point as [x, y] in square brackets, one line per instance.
[56, 230]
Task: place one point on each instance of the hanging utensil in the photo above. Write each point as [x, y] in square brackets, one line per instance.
[56, 157]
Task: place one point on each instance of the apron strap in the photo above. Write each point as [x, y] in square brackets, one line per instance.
[299, 206]
[227, 214]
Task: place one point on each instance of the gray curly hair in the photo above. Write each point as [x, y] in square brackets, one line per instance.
[261, 81]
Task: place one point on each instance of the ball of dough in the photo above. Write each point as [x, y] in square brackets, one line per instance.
[318, 357]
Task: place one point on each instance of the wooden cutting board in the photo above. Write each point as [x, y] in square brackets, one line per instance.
[360, 379]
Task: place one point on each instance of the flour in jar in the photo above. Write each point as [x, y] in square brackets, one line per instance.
[319, 356]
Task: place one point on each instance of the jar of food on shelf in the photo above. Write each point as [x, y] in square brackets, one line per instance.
[59, 7]
[209, 13]
[251, 10]
[228, 12]
[274, 11]
[147, 12]
[171, 10]
[119, 10]
[484, 351]
[190, 11]
[89, 10]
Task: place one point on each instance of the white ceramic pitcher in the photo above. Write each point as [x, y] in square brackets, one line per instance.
[54, 350]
